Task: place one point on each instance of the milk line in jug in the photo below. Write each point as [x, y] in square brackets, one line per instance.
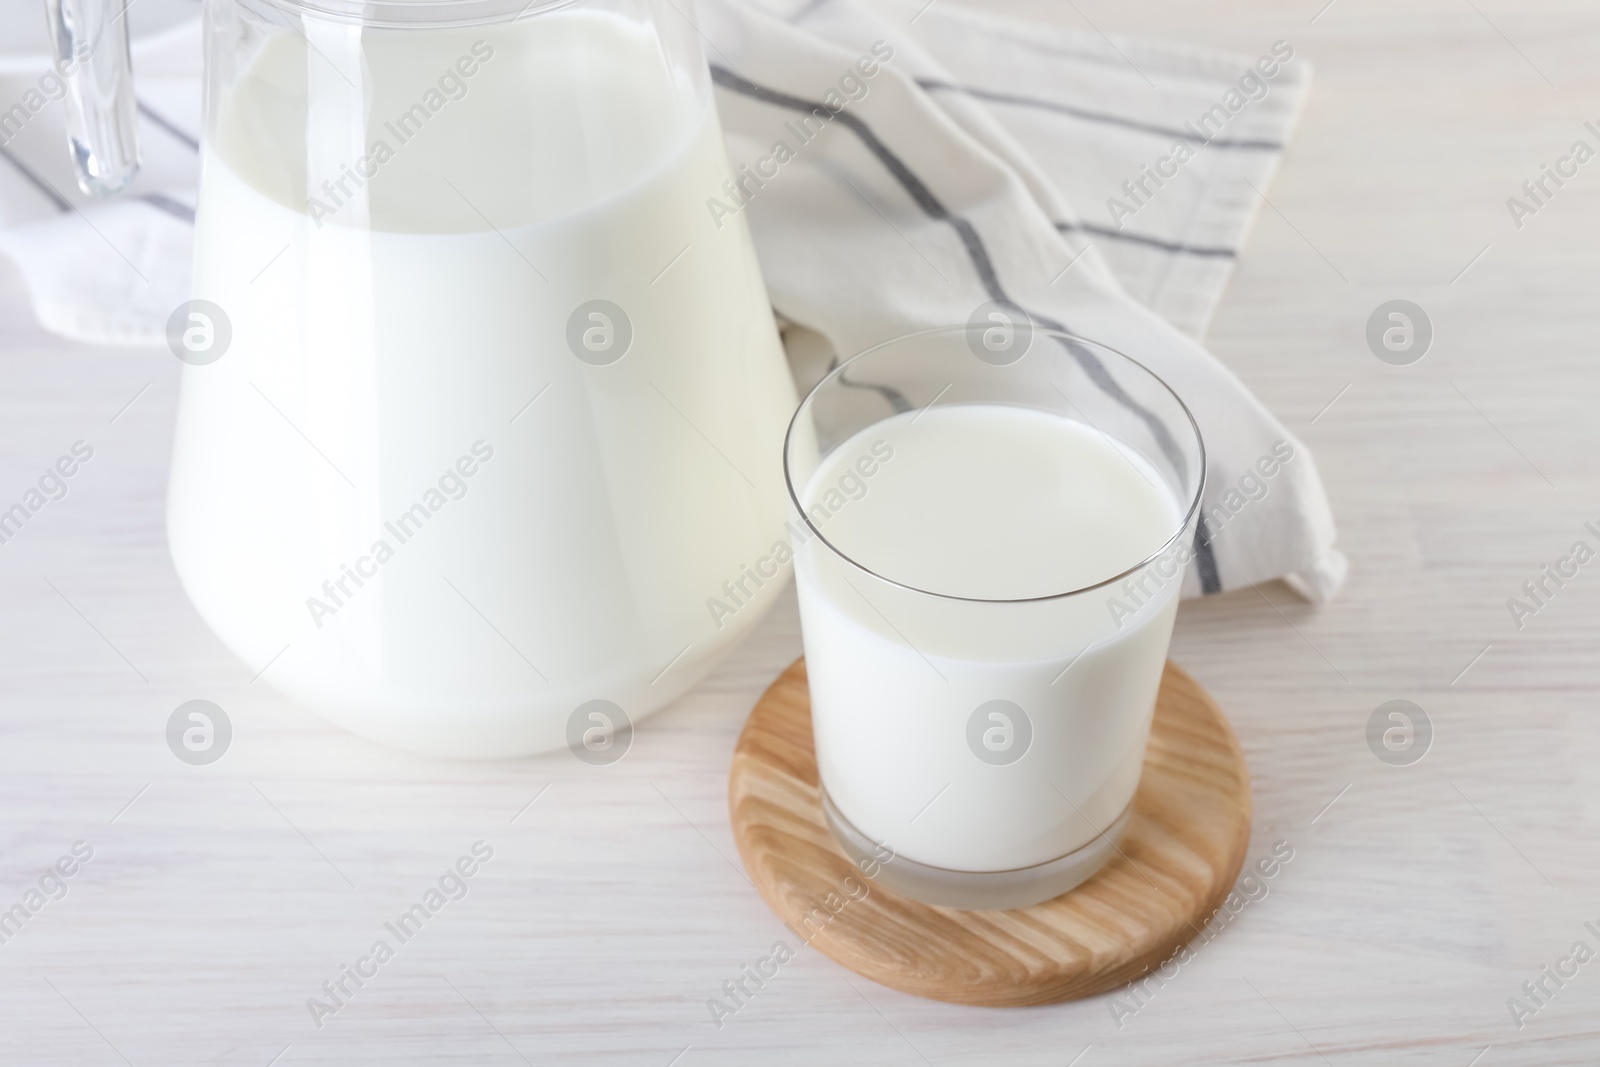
[452, 86]
[403, 528]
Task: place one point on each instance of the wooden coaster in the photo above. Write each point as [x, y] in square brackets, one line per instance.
[1183, 849]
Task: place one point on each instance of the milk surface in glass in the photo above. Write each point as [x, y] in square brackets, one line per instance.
[400, 485]
[999, 503]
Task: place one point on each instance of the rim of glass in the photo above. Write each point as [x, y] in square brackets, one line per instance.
[421, 14]
[838, 371]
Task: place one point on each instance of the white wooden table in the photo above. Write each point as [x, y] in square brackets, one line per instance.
[1419, 899]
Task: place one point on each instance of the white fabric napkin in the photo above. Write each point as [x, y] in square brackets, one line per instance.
[1102, 184]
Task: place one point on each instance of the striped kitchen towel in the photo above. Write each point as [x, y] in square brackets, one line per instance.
[900, 165]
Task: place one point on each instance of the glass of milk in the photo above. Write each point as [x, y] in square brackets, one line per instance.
[481, 407]
[994, 522]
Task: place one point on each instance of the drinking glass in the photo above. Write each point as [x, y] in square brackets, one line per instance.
[994, 745]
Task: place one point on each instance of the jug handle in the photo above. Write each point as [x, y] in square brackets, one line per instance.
[90, 40]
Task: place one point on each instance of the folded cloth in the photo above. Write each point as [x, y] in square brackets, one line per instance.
[900, 166]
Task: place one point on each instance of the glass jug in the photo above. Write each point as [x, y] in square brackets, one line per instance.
[479, 433]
